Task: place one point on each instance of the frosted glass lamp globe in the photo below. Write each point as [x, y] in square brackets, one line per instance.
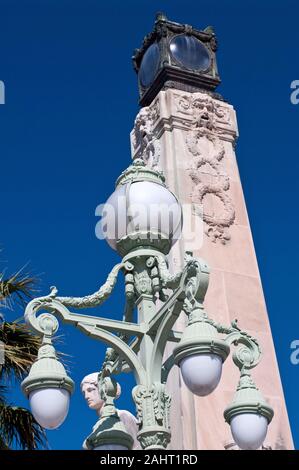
[49, 406]
[249, 430]
[201, 373]
[141, 207]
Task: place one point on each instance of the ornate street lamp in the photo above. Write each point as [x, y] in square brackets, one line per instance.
[142, 220]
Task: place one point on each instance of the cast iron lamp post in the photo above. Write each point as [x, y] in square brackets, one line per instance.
[160, 297]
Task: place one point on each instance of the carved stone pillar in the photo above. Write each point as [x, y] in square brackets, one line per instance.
[191, 138]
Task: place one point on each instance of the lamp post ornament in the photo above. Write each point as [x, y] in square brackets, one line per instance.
[138, 347]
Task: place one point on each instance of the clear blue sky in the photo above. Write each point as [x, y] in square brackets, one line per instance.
[71, 98]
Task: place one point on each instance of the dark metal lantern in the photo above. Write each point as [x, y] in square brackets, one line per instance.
[177, 56]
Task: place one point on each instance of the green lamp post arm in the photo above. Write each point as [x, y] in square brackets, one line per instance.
[95, 327]
[154, 323]
[53, 306]
[173, 337]
[120, 347]
[120, 366]
[129, 309]
[166, 368]
[162, 337]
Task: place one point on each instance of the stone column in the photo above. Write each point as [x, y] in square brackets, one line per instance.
[191, 138]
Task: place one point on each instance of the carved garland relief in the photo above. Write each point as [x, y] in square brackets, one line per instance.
[210, 183]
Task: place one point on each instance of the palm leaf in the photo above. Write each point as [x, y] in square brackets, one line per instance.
[3, 445]
[21, 286]
[3, 391]
[19, 428]
[20, 349]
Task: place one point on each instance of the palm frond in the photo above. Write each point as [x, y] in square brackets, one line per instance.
[20, 286]
[3, 445]
[3, 391]
[20, 349]
[19, 429]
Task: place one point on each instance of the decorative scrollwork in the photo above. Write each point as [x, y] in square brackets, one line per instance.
[45, 324]
[48, 323]
[248, 353]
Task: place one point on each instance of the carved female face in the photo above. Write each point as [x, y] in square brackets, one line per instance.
[91, 394]
[90, 391]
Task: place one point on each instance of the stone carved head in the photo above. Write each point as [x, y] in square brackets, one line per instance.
[204, 111]
[142, 128]
[91, 393]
